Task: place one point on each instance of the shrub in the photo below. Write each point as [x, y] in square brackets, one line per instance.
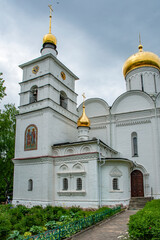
[15, 236]
[5, 225]
[49, 213]
[36, 229]
[145, 224]
[51, 225]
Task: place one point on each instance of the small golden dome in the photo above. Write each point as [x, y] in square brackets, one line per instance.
[50, 38]
[83, 121]
[141, 59]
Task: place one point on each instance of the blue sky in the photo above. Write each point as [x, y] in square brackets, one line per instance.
[94, 40]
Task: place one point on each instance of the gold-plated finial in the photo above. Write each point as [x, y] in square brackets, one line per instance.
[139, 39]
[83, 121]
[50, 38]
[50, 17]
[140, 44]
[84, 97]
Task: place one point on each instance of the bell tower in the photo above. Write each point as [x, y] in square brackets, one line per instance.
[47, 116]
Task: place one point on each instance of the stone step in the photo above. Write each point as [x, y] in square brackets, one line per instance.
[139, 202]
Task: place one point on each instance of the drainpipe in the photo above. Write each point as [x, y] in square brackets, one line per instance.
[157, 136]
[100, 164]
[110, 124]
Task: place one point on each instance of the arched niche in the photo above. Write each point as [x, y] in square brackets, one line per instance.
[132, 101]
[94, 107]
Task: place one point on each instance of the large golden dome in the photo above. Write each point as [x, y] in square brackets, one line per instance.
[83, 121]
[141, 59]
[50, 38]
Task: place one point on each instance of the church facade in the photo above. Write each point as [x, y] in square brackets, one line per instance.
[94, 155]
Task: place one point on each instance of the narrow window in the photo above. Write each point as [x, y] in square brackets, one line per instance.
[30, 185]
[63, 99]
[155, 83]
[142, 83]
[79, 184]
[129, 84]
[65, 184]
[134, 144]
[115, 184]
[33, 94]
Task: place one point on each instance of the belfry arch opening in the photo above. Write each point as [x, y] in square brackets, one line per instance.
[33, 94]
[63, 99]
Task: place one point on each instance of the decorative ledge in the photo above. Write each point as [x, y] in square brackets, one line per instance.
[69, 173]
[116, 191]
[72, 193]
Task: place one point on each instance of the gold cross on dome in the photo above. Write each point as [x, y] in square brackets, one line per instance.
[50, 17]
[139, 39]
[51, 10]
[84, 97]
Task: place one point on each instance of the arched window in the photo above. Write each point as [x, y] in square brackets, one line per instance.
[79, 184]
[30, 185]
[65, 184]
[63, 99]
[115, 184]
[134, 140]
[33, 94]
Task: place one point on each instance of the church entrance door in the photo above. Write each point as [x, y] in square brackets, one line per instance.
[137, 189]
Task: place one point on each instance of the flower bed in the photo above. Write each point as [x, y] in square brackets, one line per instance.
[21, 222]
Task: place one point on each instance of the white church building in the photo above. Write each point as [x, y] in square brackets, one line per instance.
[94, 155]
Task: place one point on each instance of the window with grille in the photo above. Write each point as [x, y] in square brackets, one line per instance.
[65, 184]
[115, 184]
[79, 184]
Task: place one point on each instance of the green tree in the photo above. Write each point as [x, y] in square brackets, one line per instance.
[7, 145]
[2, 88]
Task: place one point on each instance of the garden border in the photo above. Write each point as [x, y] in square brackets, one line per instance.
[95, 225]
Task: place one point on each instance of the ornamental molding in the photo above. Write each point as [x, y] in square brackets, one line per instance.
[34, 161]
[71, 193]
[128, 123]
[77, 157]
[71, 173]
[115, 172]
[98, 126]
[67, 161]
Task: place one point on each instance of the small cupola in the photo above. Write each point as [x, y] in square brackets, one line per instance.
[49, 40]
[83, 124]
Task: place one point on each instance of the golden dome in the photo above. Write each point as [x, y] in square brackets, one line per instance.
[141, 59]
[50, 38]
[83, 121]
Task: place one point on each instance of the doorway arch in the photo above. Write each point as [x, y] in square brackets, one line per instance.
[137, 189]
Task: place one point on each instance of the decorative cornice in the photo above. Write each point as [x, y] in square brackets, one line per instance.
[72, 193]
[98, 126]
[78, 157]
[71, 173]
[29, 108]
[59, 162]
[49, 55]
[128, 123]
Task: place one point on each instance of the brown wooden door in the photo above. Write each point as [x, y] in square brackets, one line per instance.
[137, 184]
